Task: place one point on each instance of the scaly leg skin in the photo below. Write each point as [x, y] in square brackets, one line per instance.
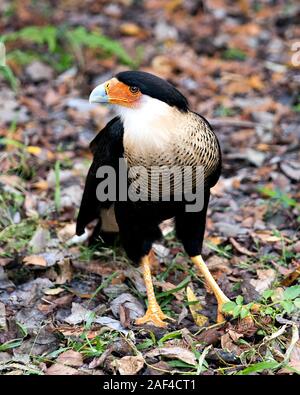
[219, 294]
[154, 314]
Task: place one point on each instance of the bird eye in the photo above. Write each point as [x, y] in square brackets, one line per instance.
[134, 89]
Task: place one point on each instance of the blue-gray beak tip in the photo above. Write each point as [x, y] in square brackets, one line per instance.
[98, 95]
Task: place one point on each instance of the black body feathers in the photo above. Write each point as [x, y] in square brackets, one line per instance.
[107, 148]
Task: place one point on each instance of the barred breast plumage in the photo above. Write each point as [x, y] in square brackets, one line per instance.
[190, 143]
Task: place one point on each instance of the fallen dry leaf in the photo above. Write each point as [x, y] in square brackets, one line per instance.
[4, 261]
[281, 269]
[12, 180]
[136, 277]
[111, 323]
[70, 358]
[227, 343]
[174, 352]
[246, 326]
[3, 324]
[256, 82]
[34, 150]
[98, 361]
[267, 237]
[42, 185]
[240, 248]
[130, 364]
[59, 302]
[291, 169]
[211, 336]
[39, 240]
[134, 307]
[131, 29]
[183, 314]
[30, 204]
[35, 260]
[66, 271]
[97, 267]
[125, 319]
[295, 357]
[59, 369]
[39, 71]
[220, 264]
[234, 335]
[215, 240]
[296, 246]
[78, 314]
[264, 281]
[167, 286]
[291, 278]
[195, 307]
[53, 291]
[72, 331]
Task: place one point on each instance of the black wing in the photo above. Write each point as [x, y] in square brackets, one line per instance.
[107, 148]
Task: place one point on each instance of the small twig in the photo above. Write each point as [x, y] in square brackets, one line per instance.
[295, 338]
[202, 358]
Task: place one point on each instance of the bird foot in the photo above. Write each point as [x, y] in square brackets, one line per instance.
[221, 316]
[153, 316]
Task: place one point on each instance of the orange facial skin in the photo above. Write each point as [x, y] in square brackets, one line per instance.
[119, 93]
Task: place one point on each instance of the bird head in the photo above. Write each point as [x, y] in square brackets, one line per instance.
[135, 89]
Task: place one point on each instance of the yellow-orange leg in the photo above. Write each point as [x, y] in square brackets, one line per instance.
[154, 314]
[219, 294]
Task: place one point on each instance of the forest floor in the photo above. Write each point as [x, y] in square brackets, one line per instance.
[66, 308]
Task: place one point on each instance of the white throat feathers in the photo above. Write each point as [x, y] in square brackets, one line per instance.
[152, 124]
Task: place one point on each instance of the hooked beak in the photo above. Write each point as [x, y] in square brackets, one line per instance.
[99, 94]
[114, 91]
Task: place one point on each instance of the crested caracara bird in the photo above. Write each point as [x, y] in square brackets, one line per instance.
[154, 130]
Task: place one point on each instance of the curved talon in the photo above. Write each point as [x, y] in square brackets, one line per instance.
[152, 318]
[154, 314]
[160, 313]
